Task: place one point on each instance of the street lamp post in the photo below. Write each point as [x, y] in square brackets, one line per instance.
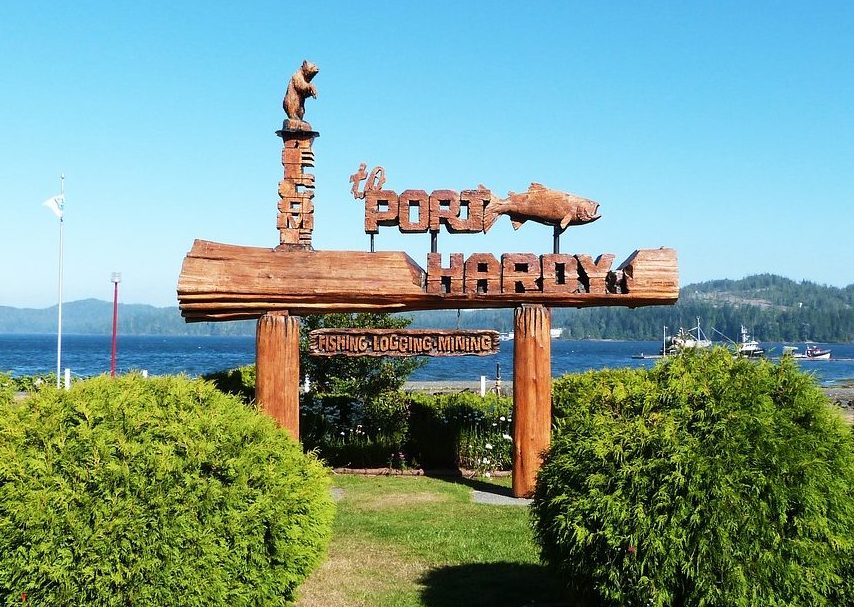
[116, 279]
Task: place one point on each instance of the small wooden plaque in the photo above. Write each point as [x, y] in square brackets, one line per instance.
[402, 342]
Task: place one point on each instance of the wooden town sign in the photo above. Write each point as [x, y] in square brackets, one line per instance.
[401, 342]
[223, 282]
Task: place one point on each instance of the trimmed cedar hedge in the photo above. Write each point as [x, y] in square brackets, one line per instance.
[158, 491]
[707, 480]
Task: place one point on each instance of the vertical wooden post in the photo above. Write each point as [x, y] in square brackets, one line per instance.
[277, 369]
[532, 394]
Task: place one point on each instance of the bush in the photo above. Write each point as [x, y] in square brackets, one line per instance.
[154, 492]
[238, 382]
[461, 430]
[398, 429]
[346, 431]
[706, 481]
[30, 383]
[7, 390]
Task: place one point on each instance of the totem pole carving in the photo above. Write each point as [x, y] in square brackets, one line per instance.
[295, 220]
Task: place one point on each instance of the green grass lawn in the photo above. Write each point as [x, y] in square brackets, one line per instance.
[417, 541]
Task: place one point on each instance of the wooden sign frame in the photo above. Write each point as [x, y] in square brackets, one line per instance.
[222, 282]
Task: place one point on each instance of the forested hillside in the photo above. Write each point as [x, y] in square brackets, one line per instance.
[772, 307]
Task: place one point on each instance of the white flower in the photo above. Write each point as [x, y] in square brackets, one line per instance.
[507, 437]
[502, 418]
[487, 475]
[342, 433]
[488, 445]
[485, 460]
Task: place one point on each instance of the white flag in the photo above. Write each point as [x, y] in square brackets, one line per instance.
[55, 204]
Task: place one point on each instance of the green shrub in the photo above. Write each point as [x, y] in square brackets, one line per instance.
[460, 430]
[7, 389]
[239, 382]
[346, 431]
[705, 481]
[154, 492]
[31, 383]
[397, 429]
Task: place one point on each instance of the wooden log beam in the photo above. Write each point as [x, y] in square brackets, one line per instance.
[220, 282]
[277, 369]
[532, 393]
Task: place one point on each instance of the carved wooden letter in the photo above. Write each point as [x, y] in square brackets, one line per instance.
[444, 204]
[295, 220]
[381, 209]
[520, 273]
[470, 219]
[594, 273]
[560, 273]
[483, 274]
[649, 271]
[444, 280]
[408, 202]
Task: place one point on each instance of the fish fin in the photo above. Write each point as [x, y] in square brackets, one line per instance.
[517, 224]
[490, 215]
[536, 186]
[565, 221]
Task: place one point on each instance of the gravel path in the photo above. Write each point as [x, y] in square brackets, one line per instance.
[498, 498]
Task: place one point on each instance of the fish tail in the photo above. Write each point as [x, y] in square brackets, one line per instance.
[490, 214]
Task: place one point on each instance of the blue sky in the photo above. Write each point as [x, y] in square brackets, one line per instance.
[722, 129]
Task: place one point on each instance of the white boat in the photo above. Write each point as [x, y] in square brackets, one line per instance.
[811, 353]
[690, 339]
[816, 353]
[748, 346]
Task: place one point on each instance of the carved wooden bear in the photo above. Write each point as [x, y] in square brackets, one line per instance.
[299, 88]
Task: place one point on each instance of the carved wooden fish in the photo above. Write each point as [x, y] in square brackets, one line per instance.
[542, 205]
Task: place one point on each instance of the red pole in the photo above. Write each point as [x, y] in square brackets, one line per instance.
[115, 322]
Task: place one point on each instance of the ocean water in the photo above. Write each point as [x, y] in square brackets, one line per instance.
[88, 355]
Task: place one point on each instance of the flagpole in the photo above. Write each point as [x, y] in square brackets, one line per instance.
[59, 313]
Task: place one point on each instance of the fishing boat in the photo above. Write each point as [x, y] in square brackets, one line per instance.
[747, 346]
[811, 353]
[816, 353]
[685, 339]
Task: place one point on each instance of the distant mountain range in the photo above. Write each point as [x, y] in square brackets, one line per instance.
[772, 307]
[95, 317]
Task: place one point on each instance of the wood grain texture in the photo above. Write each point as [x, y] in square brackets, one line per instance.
[295, 219]
[221, 282]
[277, 369]
[532, 393]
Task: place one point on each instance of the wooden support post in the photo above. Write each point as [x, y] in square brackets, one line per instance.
[277, 369]
[532, 394]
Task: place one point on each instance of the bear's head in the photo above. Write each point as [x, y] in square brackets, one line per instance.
[309, 70]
